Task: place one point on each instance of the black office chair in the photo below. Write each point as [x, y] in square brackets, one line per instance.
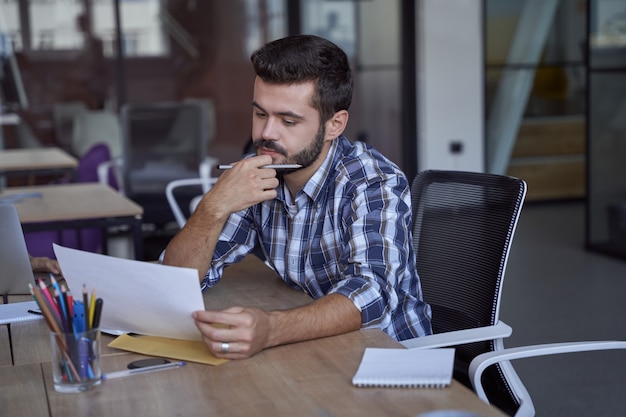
[463, 227]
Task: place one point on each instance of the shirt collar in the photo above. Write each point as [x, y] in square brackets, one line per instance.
[317, 183]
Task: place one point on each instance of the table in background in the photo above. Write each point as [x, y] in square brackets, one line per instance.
[310, 378]
[39, 161]
[76, 206]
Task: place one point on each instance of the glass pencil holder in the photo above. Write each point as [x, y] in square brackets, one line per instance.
[75, 360]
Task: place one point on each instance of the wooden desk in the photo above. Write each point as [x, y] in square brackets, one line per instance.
[79, 205]
[302, 379]
[38, 160]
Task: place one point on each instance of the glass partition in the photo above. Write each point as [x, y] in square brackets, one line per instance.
[374, 50]
[535, 95]
[606, 175]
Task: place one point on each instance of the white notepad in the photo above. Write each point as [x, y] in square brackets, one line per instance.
[427, 368]
[15, 312]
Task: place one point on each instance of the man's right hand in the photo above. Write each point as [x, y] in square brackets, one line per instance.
[238, 188]
[242, 186]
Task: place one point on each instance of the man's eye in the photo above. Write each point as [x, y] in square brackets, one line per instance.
[289, 122]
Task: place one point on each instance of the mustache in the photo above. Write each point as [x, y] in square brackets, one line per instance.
[269, 144]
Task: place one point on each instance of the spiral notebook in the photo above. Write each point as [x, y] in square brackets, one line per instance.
[404, 368]
[15, 312]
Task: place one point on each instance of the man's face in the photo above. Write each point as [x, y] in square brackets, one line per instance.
[285, 125]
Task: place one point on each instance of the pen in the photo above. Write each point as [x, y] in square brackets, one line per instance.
[128, 372]
[86, 307]
[97, 314]
[278, 166]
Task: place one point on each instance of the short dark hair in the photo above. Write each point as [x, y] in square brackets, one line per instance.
[305, 58]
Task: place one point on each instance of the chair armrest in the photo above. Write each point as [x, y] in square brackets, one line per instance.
[204, 171]
[482, 361]
[171, 200]
[206, 184]
[114, 166]
[478, 334]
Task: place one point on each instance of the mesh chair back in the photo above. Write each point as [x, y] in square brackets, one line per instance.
[463, 225]
[162, 142]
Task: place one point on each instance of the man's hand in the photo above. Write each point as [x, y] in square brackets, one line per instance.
[238, 188]
[242, 186]
[246, 330]
[44, 264]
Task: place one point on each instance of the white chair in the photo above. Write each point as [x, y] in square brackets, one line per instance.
[205, 180]
[481, 362]
[119, 242]
[96, 126]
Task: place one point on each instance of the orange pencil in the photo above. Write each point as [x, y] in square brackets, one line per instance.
[45, 311]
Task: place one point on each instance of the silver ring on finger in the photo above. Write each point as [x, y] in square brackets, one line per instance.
[225, 347]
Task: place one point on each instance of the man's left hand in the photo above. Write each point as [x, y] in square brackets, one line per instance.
[234, 333]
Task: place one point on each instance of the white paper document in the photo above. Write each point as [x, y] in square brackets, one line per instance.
[138, 297]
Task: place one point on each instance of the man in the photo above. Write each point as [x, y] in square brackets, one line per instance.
[338, 227]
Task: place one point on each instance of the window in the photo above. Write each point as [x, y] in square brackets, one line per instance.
[55, 25]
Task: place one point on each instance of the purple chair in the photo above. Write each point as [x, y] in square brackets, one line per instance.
[40, 243]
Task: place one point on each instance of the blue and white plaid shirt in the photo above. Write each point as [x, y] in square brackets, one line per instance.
[348, 231]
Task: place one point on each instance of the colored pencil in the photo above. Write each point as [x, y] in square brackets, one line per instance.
[39, 298]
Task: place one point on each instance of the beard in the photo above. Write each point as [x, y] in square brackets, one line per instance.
[305, 157]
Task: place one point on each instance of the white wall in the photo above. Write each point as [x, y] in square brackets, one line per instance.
[450, 84]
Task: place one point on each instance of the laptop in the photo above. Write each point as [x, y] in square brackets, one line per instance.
[15, 269]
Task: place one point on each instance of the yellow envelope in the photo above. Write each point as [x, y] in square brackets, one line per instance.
[186, 350]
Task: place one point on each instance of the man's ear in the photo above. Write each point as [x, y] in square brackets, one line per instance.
[336, 124]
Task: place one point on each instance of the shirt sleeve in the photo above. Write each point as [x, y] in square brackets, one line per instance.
[377, 256]
[236, 240]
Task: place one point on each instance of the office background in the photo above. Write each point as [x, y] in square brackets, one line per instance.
[531, 88]
[419, 60]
